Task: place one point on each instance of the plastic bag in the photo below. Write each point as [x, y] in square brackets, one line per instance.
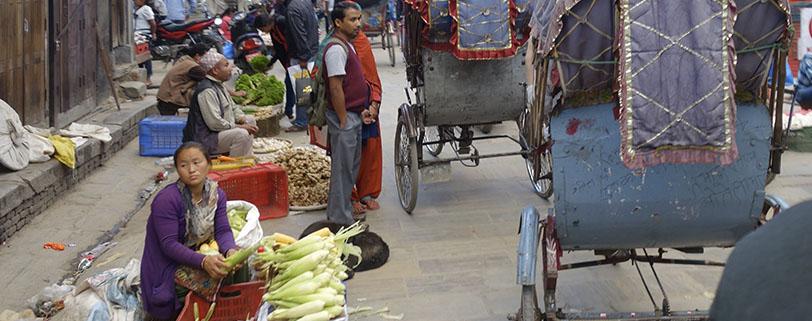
[14, 149]
[228, 50]
[303, 76]
[251, 233]
[51, 293]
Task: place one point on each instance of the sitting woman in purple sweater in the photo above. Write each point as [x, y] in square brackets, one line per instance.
[184, 215]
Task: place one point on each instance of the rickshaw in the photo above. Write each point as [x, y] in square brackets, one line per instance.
[662, 132]
[465, 68]
[376, 24]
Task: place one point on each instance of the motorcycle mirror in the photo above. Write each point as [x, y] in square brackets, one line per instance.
[218, 21]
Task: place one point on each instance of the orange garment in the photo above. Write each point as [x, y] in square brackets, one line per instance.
[364, 50]
[370, 174]
[368, 183]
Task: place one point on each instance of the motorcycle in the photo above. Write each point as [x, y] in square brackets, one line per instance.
[173, 38]
[247, 42]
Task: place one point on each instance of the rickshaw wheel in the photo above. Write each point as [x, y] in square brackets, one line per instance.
[406, 166]
[541, 161]
[432, 134]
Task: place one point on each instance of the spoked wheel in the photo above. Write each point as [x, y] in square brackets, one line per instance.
[406, 166]
[432, 134]
[772, 207]
[540, 161]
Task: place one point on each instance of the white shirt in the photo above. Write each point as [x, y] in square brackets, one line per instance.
[142, 17]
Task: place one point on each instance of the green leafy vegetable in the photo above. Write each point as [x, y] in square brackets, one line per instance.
[260, 64]
[260, 90]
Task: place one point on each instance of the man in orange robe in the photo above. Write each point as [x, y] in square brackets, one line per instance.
[368, 184]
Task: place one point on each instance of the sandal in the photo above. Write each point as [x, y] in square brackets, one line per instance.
[358, 208]
[295, 128]
[372, 204]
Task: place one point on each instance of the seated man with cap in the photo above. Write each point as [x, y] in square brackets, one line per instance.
[214, 119]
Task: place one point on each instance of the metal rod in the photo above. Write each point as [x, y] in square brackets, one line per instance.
[655, 259]
[773, 89]
[650, 296]
[442, 141]
[446, 160]
[585, 264]
[791, 111]
[666, 303]
[678, 261]
[635, 316]
[779, 111]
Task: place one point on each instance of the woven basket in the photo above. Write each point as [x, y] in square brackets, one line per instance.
[269, 127]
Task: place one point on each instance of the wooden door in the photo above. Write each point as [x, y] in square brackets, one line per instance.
[120, 16]
[75, 58]
[23, 57]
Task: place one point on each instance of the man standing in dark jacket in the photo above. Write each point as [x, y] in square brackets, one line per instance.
[302, 35]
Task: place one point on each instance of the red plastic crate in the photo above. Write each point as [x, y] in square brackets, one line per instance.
[264, 185]
[234, 302]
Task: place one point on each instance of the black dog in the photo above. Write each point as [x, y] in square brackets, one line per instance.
[374, 251]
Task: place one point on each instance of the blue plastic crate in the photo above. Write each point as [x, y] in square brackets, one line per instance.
[160, 135]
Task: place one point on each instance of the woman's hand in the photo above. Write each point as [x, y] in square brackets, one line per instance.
[215, 265]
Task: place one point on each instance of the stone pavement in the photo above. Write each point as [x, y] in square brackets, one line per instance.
[454, 258]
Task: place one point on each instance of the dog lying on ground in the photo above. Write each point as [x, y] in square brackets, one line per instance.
[374, 251]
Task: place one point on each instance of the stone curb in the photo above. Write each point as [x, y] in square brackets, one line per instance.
[27, 193]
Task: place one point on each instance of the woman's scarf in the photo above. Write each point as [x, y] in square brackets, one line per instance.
[200, 220]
